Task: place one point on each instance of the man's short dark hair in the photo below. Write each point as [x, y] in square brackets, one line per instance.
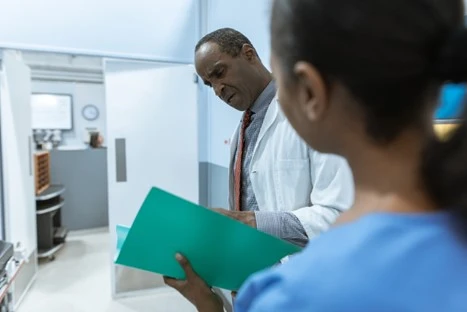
[229, 40]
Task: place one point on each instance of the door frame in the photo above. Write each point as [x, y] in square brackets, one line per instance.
[2, 198]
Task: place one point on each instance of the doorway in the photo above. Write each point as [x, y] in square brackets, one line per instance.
[145, 114]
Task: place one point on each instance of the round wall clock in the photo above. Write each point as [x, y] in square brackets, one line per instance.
[90, 112]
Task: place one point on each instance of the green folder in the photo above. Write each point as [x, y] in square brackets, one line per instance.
[223, 252]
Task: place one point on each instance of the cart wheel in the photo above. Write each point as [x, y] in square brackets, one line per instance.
[51, 258]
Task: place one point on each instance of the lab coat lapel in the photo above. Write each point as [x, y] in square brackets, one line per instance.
[233, 150]
[268, 121]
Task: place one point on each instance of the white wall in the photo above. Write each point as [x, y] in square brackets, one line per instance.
[249, 17]
[150, 29]
[157, 29]
[83, 94]
[18, 183]
[252, 19]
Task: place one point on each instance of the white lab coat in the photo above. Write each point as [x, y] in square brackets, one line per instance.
[287, 175]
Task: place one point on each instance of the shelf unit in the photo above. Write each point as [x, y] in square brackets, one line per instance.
[6, 291]
[50, 233]
[42, 171]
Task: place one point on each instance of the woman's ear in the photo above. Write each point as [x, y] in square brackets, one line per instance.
[312, 93]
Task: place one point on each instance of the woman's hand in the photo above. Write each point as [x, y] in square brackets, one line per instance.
[195, 289]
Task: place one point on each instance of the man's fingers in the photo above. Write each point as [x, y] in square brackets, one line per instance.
[219, 210]
[174, 283]
[186, 266]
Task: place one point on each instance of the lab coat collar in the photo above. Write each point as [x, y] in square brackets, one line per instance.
[271, 116]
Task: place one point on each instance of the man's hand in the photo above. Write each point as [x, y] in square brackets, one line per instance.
[195, 289]
[247, 217]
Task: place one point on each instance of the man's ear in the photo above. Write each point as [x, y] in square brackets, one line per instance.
[312, 93]
[249, 52]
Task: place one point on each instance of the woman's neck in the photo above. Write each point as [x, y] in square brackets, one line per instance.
[387, 178]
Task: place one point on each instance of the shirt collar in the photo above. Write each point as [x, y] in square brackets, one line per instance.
[265, 97]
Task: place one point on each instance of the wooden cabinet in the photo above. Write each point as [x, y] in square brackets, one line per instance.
[41, 171]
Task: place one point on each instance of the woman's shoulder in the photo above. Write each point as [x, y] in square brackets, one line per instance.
[360, 266]
[378, 241]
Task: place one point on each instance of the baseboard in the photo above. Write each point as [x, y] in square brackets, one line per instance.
[24, 294]
[25, 279]
[88, 231]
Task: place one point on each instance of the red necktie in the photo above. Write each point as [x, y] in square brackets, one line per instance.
[239, 161]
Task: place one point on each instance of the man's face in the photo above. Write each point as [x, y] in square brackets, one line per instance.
[232, 78]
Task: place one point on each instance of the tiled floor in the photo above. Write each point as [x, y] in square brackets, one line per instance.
[79, 281]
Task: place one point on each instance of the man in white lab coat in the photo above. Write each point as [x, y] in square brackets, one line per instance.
[282, 187]
[277, 183]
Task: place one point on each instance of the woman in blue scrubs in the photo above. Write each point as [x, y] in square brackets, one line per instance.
[361, 78]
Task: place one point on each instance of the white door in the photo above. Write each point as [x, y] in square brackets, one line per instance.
[152, 133]
[16, 135]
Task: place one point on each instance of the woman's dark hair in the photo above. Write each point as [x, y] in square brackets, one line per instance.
[393, 56]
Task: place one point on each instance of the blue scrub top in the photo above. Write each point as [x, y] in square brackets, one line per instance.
[380, 263]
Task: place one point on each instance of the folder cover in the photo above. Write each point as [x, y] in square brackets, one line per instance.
[223, 251]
